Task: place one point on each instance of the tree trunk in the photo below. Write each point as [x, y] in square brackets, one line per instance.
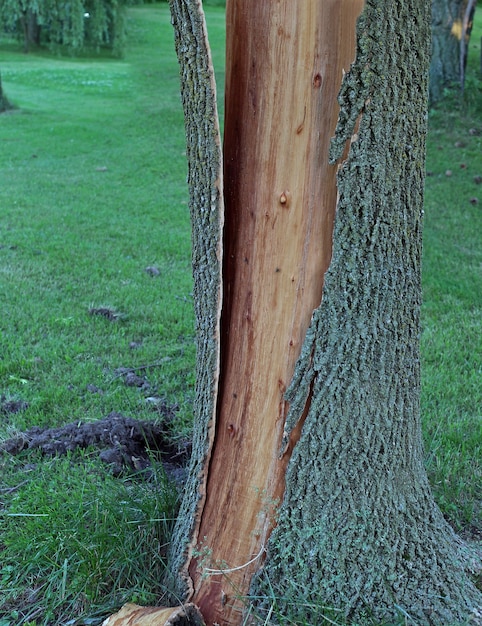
[284, 67]
[451, 28]
[4, 103]
[31, 29]
[357, 528]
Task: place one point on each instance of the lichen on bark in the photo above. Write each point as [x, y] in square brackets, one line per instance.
[358, 529]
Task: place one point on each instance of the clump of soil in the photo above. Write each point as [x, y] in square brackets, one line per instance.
[7, 407]
[131, 379]
[124, 443]
[107, 312]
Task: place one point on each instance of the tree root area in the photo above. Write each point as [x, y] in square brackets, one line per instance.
[125, 445]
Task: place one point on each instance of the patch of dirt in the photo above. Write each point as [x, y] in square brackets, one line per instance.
[7, 407]
[131, 379]
[125, 444]
[107, 312]
[153, 270]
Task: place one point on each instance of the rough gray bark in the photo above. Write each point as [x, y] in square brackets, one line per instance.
[358, 529]
[451, 26]
[198, 90]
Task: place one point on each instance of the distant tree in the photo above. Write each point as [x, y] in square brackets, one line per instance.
[4, 102]
[73, 25]
[451, 28]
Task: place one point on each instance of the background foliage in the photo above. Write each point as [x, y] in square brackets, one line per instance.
[71, 25]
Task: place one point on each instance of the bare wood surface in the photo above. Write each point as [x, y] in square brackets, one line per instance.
[134, 615]
[285, 62]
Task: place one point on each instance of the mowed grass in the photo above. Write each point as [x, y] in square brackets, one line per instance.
[93, 193]
[452, 296]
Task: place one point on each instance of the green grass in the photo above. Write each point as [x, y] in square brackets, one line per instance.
[66, 550]
[92, 192]
[452, 288]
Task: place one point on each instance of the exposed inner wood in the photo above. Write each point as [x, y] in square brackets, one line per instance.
[134, 615]
[285, 62]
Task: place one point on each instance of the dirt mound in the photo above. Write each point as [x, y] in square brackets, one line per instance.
[7, 407]
[125, 444]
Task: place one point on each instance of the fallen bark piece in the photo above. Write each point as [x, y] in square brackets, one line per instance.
[135, 615]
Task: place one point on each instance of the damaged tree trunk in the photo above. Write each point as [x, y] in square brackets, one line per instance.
[285, 63]
[335, 463]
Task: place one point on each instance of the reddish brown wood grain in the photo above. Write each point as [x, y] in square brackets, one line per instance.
[285, 61]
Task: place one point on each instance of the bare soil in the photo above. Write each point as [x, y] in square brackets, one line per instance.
[124, 443]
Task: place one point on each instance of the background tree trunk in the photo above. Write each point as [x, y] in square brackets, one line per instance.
[31, 29]
[358, 529]
[4, 102]
[451, 27]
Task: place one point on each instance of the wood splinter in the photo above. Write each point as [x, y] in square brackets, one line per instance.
[134, 615]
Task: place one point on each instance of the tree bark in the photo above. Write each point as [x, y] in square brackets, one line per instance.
[205, 180]
[357, 528]
[134, 615]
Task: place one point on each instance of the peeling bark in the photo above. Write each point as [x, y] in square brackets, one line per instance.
[204, 155]
[134, 615]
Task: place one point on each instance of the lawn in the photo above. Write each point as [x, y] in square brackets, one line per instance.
[97, 315]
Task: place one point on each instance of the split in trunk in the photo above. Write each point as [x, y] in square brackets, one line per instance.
[285, 62]
[336, 462]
